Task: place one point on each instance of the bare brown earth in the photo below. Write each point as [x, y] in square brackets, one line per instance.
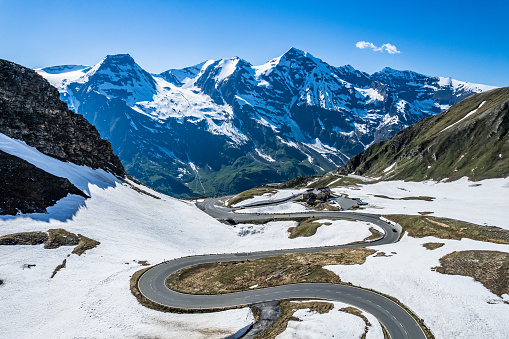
[53, 238]
[58, 268]
[433, 245]
[491, 268]
[214, 278]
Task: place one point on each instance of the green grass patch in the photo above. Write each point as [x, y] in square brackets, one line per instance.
[249, 194]
[225, 277]
[419, 226]
[306, 228]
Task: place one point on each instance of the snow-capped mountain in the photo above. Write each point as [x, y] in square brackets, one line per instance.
[225, 125]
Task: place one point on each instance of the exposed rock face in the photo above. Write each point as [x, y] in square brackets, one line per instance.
[28, 189]
[31, 110]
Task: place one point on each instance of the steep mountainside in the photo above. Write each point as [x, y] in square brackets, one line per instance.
[469, 139]
[224, 126]
[31, 111]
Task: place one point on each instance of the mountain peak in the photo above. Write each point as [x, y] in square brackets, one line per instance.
[119, 76]
[295, 53]
[119, 58]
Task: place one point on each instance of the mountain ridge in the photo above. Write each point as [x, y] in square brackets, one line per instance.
[223, 126]
[470, 139]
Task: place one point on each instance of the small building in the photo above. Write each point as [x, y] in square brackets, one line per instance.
[313, 194]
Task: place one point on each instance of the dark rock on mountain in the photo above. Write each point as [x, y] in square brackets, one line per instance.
[28, 189]
[31, 110]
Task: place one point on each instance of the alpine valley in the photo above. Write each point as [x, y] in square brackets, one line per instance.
[223, 126]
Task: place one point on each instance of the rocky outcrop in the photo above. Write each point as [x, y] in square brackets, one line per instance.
[28, 189]
[31, 110]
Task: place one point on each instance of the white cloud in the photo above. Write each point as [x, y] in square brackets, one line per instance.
[389, 48]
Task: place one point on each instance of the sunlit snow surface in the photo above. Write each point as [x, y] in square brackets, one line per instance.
[452, 306]
[316, 325]
[92, 291]
[481, 202]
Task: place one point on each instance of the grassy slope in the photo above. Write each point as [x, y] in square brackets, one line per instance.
[477, 147]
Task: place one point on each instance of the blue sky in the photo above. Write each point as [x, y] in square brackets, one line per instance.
[466, 40]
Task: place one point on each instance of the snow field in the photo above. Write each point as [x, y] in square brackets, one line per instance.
[452, 306]
[333, 324]
[481, 202]
[275, 234]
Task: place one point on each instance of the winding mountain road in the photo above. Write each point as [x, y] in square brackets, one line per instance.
[398, 323]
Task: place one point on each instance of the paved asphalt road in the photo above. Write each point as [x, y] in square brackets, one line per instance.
[395, 319]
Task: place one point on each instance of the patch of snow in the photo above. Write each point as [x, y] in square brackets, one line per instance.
[457, 85]
[452, 306]
[480, 202]
[388, 169]
[371, 94]
[227, 68]
[465, 117]
[264, 155]
[60, 80]
[315, 325]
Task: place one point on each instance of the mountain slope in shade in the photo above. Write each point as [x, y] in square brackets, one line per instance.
[223, 126]
[470, 139]
[32, 116]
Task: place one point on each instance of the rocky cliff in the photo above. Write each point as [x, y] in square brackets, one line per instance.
[31, 111]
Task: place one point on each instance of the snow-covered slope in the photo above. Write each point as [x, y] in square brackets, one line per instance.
[92, 291]
[223, 126]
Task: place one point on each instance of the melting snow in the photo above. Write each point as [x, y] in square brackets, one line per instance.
[465, 117]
